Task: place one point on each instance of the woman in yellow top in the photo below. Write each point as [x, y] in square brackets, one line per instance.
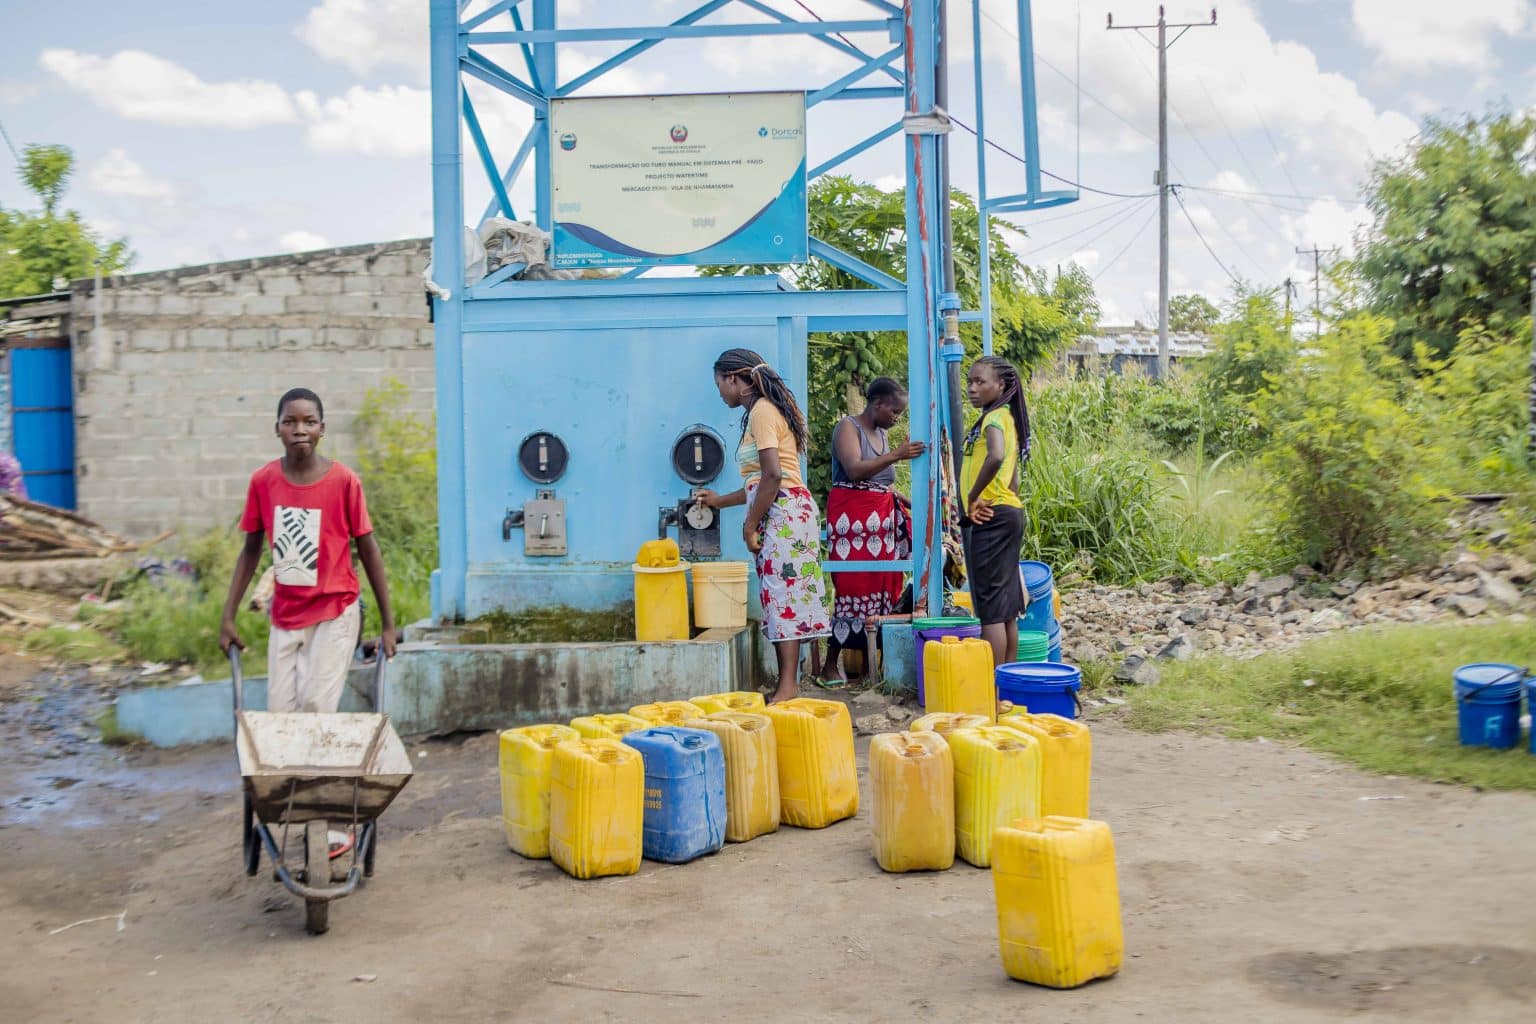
[783, 524]
[995, 452]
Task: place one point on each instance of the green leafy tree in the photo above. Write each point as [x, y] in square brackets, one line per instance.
[1349, 464]
[1454, 230]
[1251, 344]
[40, 248]
[1192, 313]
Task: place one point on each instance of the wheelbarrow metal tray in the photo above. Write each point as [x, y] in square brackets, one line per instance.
[301, 766]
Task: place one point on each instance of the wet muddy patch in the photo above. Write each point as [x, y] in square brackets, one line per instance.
[1403, 978]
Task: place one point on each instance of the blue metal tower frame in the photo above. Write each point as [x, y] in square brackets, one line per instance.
[459, 51]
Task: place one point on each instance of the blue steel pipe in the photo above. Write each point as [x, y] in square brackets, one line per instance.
[448, 337]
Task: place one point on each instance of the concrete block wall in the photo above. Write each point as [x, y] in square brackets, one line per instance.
[175, 400]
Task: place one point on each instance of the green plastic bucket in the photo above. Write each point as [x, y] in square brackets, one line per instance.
[1033, 645]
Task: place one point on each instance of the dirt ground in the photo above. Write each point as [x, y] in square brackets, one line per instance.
[1258, 883]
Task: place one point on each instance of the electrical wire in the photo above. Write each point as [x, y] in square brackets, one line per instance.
[1068, 78]
[1274, 195]
[9, 144]
[1119, 217]
[1194, 227]
[1065, 181]
[1116, 258]
[1263, 123]
[1221, 223]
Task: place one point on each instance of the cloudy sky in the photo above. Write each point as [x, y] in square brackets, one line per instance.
[209, 131]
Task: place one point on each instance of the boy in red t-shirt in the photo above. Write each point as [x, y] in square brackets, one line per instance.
[310, 509]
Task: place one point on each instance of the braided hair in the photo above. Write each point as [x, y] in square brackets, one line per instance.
[743, 362]
[1012, 397]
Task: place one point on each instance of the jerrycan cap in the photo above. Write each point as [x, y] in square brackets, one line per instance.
[949, 639]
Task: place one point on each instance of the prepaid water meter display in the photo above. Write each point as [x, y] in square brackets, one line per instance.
[699, 455]
[542, 457]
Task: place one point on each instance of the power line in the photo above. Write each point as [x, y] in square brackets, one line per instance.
[1118, 216]
[9, 144]
[1068, 78]
[1263, 123]
[1258, 267]
[1196, 229]
[1081, 209]
[1065, 181]
[1275, 195]
[1116, 258]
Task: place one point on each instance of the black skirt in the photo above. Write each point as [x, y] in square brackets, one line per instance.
[996, 591]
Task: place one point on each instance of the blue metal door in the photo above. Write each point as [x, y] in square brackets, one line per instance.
[43, 423]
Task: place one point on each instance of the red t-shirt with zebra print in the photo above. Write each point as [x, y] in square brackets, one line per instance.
[310, 528]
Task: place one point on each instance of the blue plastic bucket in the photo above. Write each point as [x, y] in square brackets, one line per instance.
[1038, 583]
[1044, 688]
[1488, 704]
[1530, 702]
[1053, 642]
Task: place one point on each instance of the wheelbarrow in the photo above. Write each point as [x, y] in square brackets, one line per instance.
[313, 771]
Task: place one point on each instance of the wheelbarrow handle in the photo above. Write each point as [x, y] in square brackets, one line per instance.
[236, 678]
[380, 688]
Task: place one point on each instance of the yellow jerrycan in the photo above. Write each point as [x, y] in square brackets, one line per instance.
[732, 700]
[608, 727]
[1066, 758]
[661, 592]
[957, 676]
[946, 722]
[997, 779]
[912, 779]
[667, 712]
[751, 772]
[1058, 901]
[525, 758]
[596, 808]
[818, 780]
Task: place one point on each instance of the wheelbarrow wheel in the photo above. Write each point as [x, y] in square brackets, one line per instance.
[250, 840]
[317, 871]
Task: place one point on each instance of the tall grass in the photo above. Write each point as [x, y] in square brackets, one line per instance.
[1380, 698]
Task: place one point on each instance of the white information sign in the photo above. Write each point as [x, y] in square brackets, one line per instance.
[704, 179]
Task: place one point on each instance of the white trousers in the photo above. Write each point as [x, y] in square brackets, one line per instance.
[307, 668]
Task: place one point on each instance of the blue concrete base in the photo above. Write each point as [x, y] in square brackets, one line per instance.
[438, 688]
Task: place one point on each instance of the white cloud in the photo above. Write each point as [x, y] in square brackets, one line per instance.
[144, 87]
[391, 120]
[1416, 35]
[362, 35]
[118, 174]
[302, 241]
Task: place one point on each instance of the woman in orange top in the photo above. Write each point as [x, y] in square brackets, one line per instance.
[783, 525]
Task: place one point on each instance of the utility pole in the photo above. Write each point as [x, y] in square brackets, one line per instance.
[1163, 188]
[1317, 285]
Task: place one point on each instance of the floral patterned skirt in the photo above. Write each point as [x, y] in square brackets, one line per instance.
[790, 583]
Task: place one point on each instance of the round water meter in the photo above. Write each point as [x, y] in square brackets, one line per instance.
[700, 516]
[542, 457]
[699, 455]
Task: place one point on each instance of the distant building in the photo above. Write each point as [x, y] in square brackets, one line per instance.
[1113, 349]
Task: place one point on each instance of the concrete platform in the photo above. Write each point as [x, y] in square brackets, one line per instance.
[438, 687]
